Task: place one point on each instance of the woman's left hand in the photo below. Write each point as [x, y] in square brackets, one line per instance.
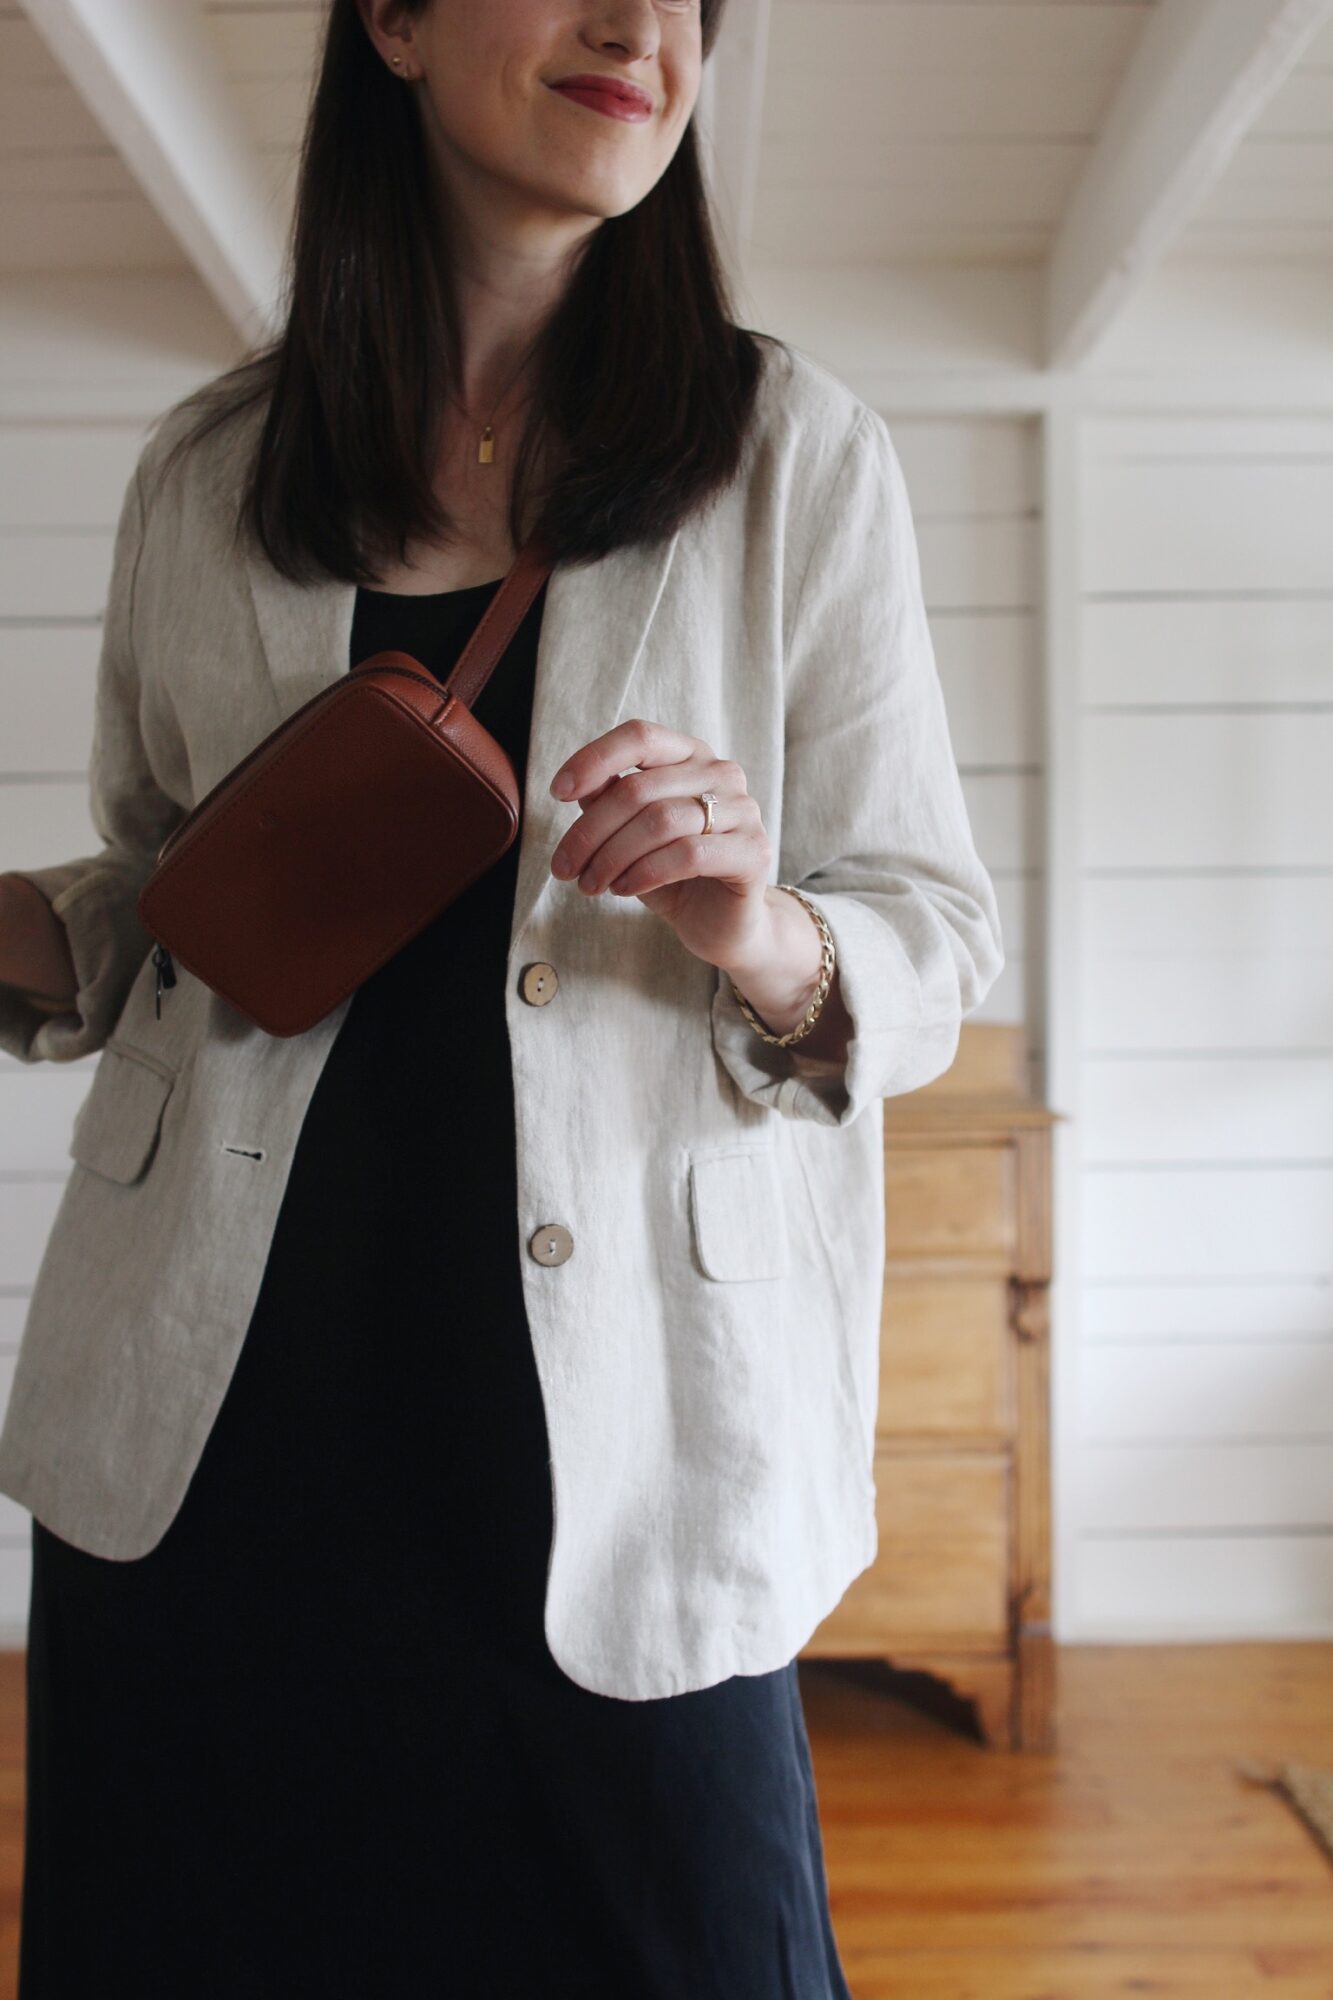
[641, 834]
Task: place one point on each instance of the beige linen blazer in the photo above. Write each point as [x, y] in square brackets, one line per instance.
[708, 1353]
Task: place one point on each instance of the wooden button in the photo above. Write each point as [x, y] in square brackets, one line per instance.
[551, 1244]
[538, 983]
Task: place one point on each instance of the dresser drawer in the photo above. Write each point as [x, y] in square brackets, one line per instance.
[946, 1358]
[941, 1578]
[951, 1202]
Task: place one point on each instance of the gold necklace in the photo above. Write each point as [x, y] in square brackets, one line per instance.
[486, 448]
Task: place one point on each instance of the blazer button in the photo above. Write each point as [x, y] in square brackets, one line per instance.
[538, 983]
[551, 1244]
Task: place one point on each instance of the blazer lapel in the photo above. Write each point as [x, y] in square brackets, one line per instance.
[594, 624]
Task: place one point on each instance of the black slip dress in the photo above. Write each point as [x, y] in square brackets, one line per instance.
[314, 1743]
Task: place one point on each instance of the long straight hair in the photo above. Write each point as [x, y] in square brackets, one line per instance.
[643, 384]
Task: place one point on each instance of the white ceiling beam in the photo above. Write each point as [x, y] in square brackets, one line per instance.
[1200, 74]
[146, 71]
[729, 115]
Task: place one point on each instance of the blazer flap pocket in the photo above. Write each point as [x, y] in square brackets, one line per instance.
[739, 1213]
[116, 1127]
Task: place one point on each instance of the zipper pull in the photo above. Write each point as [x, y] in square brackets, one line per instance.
[166, 975]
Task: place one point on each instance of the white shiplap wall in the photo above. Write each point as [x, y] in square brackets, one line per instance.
[961, 129]
[1274, 199]
[1202, 1468]
[974, 485]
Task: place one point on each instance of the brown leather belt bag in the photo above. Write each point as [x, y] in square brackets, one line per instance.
[344, 832]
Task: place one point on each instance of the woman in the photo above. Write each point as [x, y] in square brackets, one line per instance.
[416, 1593]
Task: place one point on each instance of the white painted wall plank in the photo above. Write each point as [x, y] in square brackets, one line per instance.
[45, 821]
[1243, 436]
[877, 179]
[1148, 1588]
[971, 466]
[1159, 1393]
[1016, 994]
[1202, 652]
[989, 662]
[973, 486]
[1244, 332]
[27, 1210]
[945, 104]
[1206, 1302]
[48, 575]
[811, 37]
[1005, 811]
[15, 1589]
[1216, 1486]
[1158, 915]
[1302, 106]
[1273, 1309]
[61, 476]
[48, 679]
[971, 564]
[1205, 1366]
[1208, 790]
[1281, 246]
[88, 346]
[72, 233]
[1224, 1222]
[1228, 525]
[1288, 181]
[13, 1309]
[38, 1104]
[14, 1520]
[1164, 1004]
[1210, 1109]
[945, 330]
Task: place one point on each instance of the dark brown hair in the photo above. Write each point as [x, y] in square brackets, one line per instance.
[644, 385]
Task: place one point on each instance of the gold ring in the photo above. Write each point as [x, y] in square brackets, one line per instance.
[708, 800]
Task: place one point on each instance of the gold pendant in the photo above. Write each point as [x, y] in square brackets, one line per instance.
[486, 449]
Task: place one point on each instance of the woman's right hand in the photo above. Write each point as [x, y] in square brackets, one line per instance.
[34, 948]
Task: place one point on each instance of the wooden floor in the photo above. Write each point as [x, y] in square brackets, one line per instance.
[1131, 1861]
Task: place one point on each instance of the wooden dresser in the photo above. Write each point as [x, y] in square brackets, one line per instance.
[960, 1588]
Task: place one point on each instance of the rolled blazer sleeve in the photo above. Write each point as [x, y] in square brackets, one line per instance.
[874, 825]
[95, 895]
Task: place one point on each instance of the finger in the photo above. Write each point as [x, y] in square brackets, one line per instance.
[660, 823]
[669, 797]
[615, 805]
[647, 809]
[728, 856]
[630, 743]
[586, 799]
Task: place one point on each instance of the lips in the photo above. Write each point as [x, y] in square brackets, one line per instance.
[608, 94]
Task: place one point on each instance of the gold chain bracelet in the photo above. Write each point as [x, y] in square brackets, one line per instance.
[812, 1012]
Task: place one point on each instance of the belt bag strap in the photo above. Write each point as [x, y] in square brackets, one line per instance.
[499, 622]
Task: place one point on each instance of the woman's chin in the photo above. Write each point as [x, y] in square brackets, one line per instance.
[594, 195]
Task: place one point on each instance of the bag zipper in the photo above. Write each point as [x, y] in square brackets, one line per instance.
[166, 975]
